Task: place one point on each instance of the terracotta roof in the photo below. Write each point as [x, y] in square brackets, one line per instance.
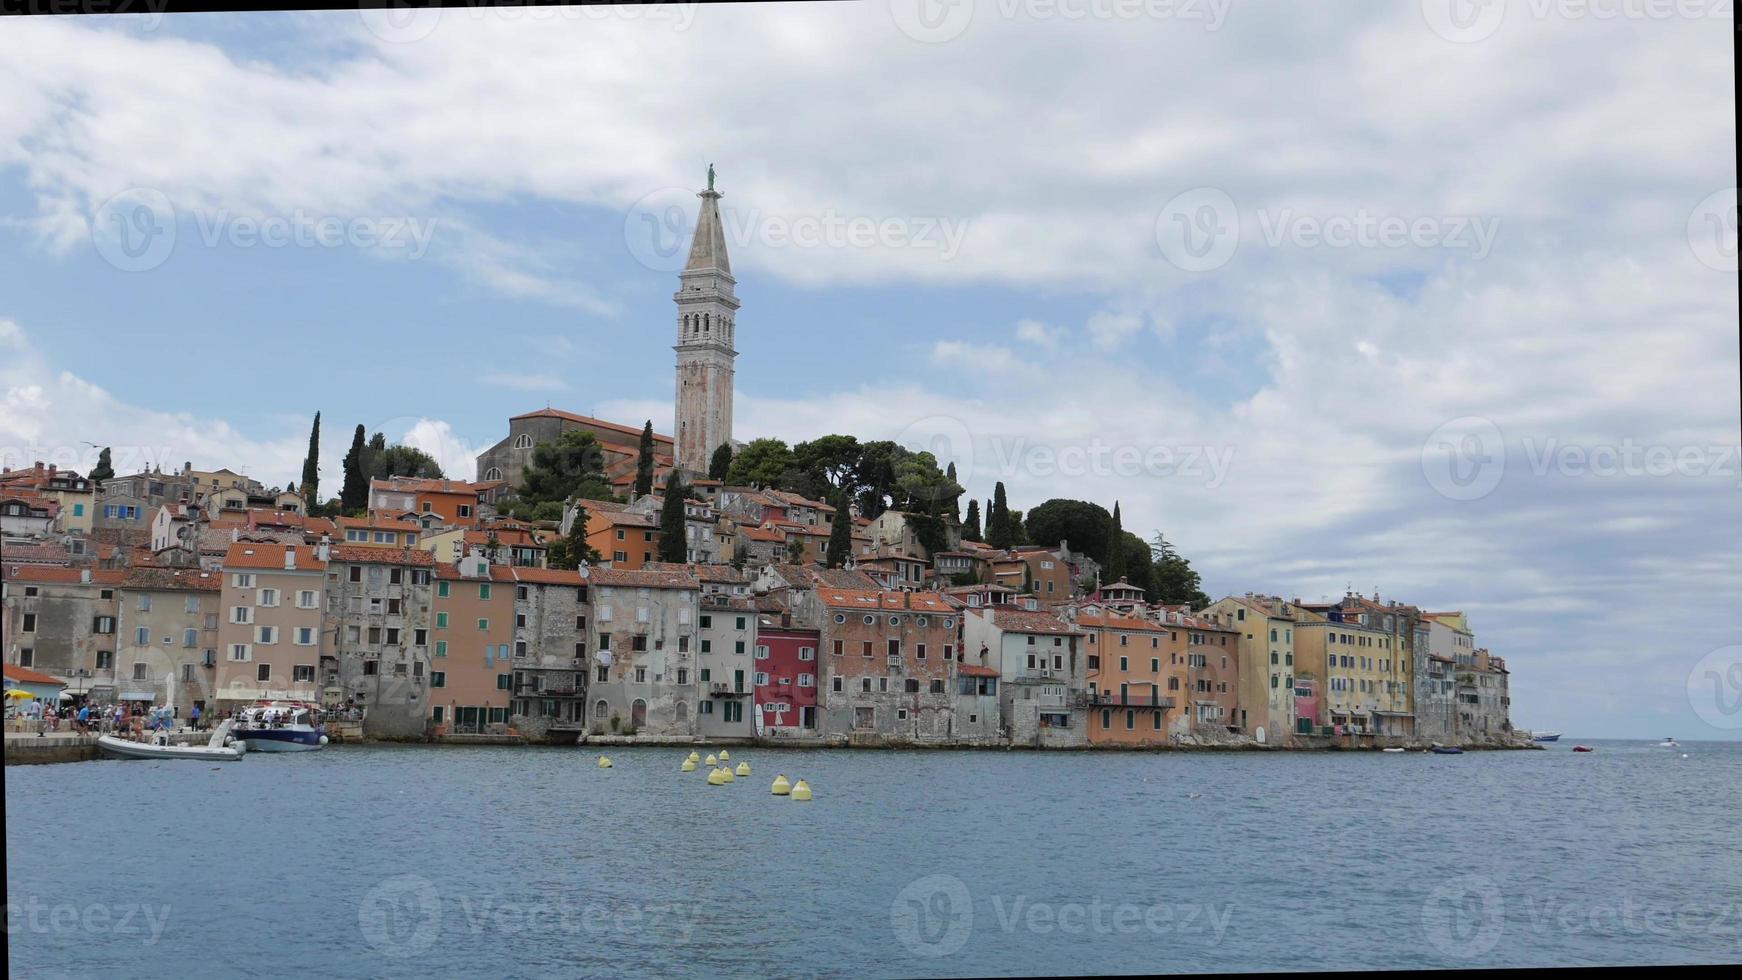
[1012, 619]
[158, 578]
[377, 555]
[723, 574]
[642, 579]
[975, 670]
[557, 413]
[38, 554]
[1115, 621]
[412, 484]
[869, 599]
[626, 518]
[269, 556]
[546, 576]
[61, 575]
[25, 675]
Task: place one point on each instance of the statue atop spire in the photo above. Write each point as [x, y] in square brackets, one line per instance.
[710, 176]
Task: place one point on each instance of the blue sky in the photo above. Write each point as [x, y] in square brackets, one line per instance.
[1293, 263]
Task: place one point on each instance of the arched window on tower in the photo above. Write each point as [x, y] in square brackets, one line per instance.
[707, 324]
[523, 441]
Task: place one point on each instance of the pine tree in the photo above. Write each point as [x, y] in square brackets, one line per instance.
[105, 468]
[721, 463]
[840, 534]
[1114, 569]
[644, 462]
[971, 526]
[354, 496]
[672, 546]
[311, 468]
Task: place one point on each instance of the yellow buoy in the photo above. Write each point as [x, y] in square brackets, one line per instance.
[726, 774]
[725, 756]
[604, 763]
[743, 768]
[781, 787]
[712, 761]
[688, 766]
[801, 790]
[694, 757]
[714, 778]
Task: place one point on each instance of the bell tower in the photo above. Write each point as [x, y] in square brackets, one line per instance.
[707, 321]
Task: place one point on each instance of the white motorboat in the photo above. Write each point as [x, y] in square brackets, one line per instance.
[281, 726]
[1669, 743]
[219, 748]
[1545, 736]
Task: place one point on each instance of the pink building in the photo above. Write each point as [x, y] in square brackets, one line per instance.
[787, 677]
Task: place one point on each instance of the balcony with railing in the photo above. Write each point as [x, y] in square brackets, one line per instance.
[1131, 699]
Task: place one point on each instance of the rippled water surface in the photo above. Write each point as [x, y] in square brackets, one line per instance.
[410, 861]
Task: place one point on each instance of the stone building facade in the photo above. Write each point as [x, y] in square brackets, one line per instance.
[889, 659]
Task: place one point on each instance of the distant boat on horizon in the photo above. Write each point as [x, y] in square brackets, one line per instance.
[1669, 742]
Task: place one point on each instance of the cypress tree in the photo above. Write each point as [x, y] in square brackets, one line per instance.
[644, 462]
[998, 530]
[354, 496]
[311, 468]
[672, 546]
[579, 548]
[971, 526]
[721, 463]
[840, 533]
[1114, 569]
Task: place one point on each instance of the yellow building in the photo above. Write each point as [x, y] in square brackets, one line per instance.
[1267, 662]
[1361, 670]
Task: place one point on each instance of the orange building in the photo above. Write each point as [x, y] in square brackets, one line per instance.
[625, 539]
[472, 632]
[1128, 674]
[1203, 672]
[269, 633]
[452, 501]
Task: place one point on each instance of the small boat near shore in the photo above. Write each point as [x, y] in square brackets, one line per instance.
[1391, 750]
[1545, 736]
[1583, 748]
[280, 726]
[1446, 750]
[219, 748]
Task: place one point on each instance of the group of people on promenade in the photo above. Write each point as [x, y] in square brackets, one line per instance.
[127, 719]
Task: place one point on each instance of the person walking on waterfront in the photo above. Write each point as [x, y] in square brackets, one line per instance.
[194, 717]
[82, 721]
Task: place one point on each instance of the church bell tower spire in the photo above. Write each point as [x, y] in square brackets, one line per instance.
[707, 322]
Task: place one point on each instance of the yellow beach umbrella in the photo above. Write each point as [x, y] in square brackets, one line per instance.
[19, 694]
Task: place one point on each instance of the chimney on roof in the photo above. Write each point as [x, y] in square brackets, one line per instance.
[290, 558]
[324, 548]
